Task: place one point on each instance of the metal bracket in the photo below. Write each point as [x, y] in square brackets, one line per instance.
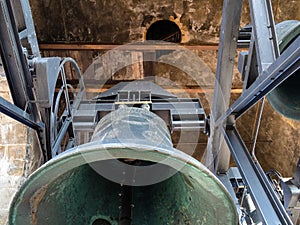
[47, 70]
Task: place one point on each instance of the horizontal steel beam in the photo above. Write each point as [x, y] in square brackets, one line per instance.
[270, 209]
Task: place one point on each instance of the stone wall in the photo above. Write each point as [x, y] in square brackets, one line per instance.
[19, 154]
[120, 22]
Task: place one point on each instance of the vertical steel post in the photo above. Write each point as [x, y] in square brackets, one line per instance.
[263, 29]
[218, 155]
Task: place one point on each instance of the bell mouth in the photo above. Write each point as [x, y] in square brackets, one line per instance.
[71, 188]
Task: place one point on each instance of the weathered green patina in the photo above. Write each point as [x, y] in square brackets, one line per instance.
[285, 98]
[83, 185]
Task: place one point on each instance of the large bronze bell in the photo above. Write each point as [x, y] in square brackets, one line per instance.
[128, 174]
[285, 98]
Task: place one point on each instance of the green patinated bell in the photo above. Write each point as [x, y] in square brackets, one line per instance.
[114, 180]
[285, 99]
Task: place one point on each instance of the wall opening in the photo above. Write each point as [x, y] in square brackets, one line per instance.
[164, 30]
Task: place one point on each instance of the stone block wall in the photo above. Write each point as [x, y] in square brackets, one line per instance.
[19, 154]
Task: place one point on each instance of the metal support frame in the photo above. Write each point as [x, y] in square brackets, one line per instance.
[15, 65]
[272, 70]
[179, 114]
[284, 66]
[251, 71]
[263, 29]
[18, 47]
[218, 154]
[32, 79]
[28, 32]
[59, 126]
[265, 42]
[269, 207]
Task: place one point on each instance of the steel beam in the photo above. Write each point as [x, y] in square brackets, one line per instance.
[18, 114]
[251, 71]
[263, 29]
[29, 31]
[283, 67]
[18, 48]
[218, 155]
[13, 64]
[270, 208]
[14, 56]
[181, 114]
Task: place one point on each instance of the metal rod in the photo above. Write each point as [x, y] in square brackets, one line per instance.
[257, 125]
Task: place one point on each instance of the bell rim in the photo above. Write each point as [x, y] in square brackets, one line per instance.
[68, 155]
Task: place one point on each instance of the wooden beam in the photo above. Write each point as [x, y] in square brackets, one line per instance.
[129, 47]
[173, 90]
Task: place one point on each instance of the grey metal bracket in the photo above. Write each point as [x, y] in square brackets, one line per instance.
[58, 125]
[129, 96]
[188, 119]
[226, 179]
[179, 114]
[291, 199]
